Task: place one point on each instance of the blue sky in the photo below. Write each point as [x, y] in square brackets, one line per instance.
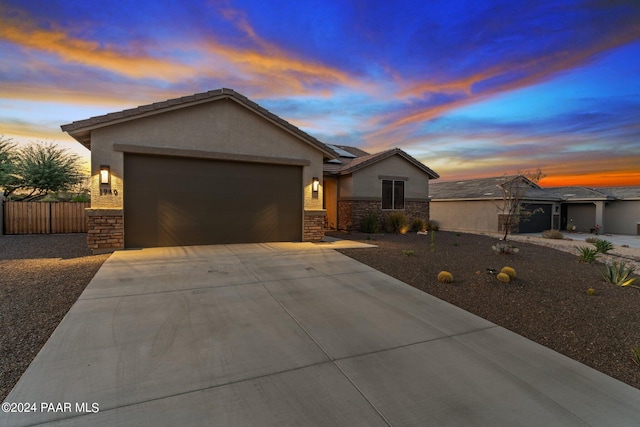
[471, 88]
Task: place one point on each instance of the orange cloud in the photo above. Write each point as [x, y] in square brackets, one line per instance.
[107, 94]
[70, 49]
[265, 59]
[533, 71]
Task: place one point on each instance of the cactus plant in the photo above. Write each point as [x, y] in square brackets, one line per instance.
[591, 292]
[502, 248]
[510, 271]
[445, 277]
[503, 277]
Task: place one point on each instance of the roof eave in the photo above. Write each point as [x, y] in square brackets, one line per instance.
[81, 130]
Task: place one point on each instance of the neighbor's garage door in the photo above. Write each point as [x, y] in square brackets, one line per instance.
[539, 221]
[174, 201]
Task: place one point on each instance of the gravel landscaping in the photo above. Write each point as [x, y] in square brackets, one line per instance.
[547, 302]
[41, 277]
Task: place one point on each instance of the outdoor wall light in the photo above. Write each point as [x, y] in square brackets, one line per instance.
[315, 185]
[105, 176]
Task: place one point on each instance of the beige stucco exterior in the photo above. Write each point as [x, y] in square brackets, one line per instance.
[350, 197]
[221, 129]
[367, 182]
[623, 217]
[466, 215]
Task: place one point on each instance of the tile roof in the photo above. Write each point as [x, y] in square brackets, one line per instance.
[484, 189]
[488, 189]
[348, 166]
[577, 193]
[81, 130]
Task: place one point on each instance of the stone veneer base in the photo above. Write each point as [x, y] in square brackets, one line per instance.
[351, 213]
[105, 230]
[313, 225]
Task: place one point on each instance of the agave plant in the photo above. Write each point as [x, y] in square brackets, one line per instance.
[587, 254]
[603, 246]
[618, 274]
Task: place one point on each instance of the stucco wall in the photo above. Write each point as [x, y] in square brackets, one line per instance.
[221, 126]
[583, 216]
[622, 217]
[479, 216]
[367, 182]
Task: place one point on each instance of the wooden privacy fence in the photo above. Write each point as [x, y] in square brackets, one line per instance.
[45, 217]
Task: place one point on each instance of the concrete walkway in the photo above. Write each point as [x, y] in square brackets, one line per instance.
[294, 334]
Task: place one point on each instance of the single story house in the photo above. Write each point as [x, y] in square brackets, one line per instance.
[208, 168]
[614, 209]
[216, 167]
[358, 183]
[477, 206]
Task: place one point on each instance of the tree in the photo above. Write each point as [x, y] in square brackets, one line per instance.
[511, 210]
[8, 158]
[40, 169]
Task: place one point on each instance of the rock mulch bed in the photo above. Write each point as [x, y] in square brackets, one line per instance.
[41, 276]
[547, 303]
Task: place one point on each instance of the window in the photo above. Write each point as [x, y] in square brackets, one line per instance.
[392, 194]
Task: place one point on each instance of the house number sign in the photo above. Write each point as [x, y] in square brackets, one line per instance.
[108, 191]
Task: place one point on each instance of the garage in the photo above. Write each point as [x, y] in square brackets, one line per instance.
[176, 201]
[539, 221]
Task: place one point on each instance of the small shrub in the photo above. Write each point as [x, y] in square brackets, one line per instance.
[509, 271]
[504, 249]
[618, 274]
[445, 277]
[408, 252]
[419, 224]
[81, 198]
[587, 254]
[397, 223]
[553, 234]
[635, 355]
[370, 223]
[603, 246]
[503, 277]
[591, 292]
[432, 226]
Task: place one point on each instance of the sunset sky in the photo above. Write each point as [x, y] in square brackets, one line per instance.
[471, 88]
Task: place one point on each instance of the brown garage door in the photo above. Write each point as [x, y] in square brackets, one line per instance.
[175, 201]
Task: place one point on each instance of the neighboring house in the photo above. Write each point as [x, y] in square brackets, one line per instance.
[614, 209]
[208, 168]
[475, 206]
[358, 183]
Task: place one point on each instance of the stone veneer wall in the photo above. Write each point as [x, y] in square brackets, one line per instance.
[351, 213]
[313, 226]
[105, 230]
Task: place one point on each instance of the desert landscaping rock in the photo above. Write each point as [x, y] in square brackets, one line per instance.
[41, 276]
[547, 302]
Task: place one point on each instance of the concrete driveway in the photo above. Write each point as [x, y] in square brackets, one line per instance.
[293, 334]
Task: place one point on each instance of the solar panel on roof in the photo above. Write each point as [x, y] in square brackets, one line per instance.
[341, 152]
